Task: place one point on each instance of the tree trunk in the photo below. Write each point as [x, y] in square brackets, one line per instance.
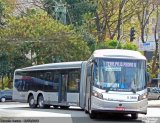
[98, 27]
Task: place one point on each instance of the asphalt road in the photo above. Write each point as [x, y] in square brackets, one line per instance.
[13, 112]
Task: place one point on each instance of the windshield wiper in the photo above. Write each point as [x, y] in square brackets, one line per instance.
[109, 88]
[133, 90]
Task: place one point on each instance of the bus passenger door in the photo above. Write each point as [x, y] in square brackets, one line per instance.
[63, 88]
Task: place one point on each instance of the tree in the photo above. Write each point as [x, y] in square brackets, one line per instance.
[110, 18]
[46, 38]
[112, 44]
[70, 10]
[153, 65]
[5, 48]
[1, 12]
[146, 9]
[5, 65]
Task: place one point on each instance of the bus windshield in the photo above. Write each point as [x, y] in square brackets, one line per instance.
[119, 74]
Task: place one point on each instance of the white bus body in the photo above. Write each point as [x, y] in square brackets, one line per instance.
[116, 83]
[57, 84]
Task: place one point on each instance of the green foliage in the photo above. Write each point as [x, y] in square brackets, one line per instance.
[130, 46]
[112, 44]
[6, 83]
[5, 50]
[46, 38]
[153, 68]
[75, 9]
[149, 70]
[2, 8]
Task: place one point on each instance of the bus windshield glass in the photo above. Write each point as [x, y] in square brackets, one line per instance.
[119, 74]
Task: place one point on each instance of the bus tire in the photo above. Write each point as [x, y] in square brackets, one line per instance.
[85, 111]
[64, 107]
[47, 106]
[41, 102]
[32, 102]
[3, 99]
[92, 115]
[134, 116]
[55, 106]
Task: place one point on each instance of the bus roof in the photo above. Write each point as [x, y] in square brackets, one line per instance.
[62, 65]
[118, 53]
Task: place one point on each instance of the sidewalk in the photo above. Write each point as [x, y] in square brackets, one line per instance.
[154, 103]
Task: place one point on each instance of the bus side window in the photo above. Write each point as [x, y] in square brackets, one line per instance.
[88, 78]
[49, 77]
[90, 73]
[48, 81]
[56, 81]
[74, 79]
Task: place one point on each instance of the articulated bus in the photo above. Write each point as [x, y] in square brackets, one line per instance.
[111, 80]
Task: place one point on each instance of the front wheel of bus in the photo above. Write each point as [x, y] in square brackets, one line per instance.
[92, 115]
[134, 116]
[85, 111]
[32, 102]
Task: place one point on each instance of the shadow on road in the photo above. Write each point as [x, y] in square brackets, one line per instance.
[77, 115]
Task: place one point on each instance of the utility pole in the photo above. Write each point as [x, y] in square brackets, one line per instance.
[61, 12]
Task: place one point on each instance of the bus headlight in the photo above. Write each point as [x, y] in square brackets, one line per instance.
[142, 97]
[96, 94]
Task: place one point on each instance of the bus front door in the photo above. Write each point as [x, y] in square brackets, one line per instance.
[63, 88]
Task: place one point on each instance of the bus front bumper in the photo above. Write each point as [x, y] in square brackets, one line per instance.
[99, 105]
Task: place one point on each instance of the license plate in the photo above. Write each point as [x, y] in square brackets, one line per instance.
[120, 108]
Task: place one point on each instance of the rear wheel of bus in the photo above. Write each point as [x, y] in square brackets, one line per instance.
[41, 103]
[134, 116]
[64, 107]
[3, 99]
[55, 106]
[32, 102]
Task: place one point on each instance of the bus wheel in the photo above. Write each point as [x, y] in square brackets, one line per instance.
[64, 107]
[41, 102]
[92, 115]
[32, 102]
[47, 106]
[3, 99]
[85, 111]
[134, 116]
[55, 106]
